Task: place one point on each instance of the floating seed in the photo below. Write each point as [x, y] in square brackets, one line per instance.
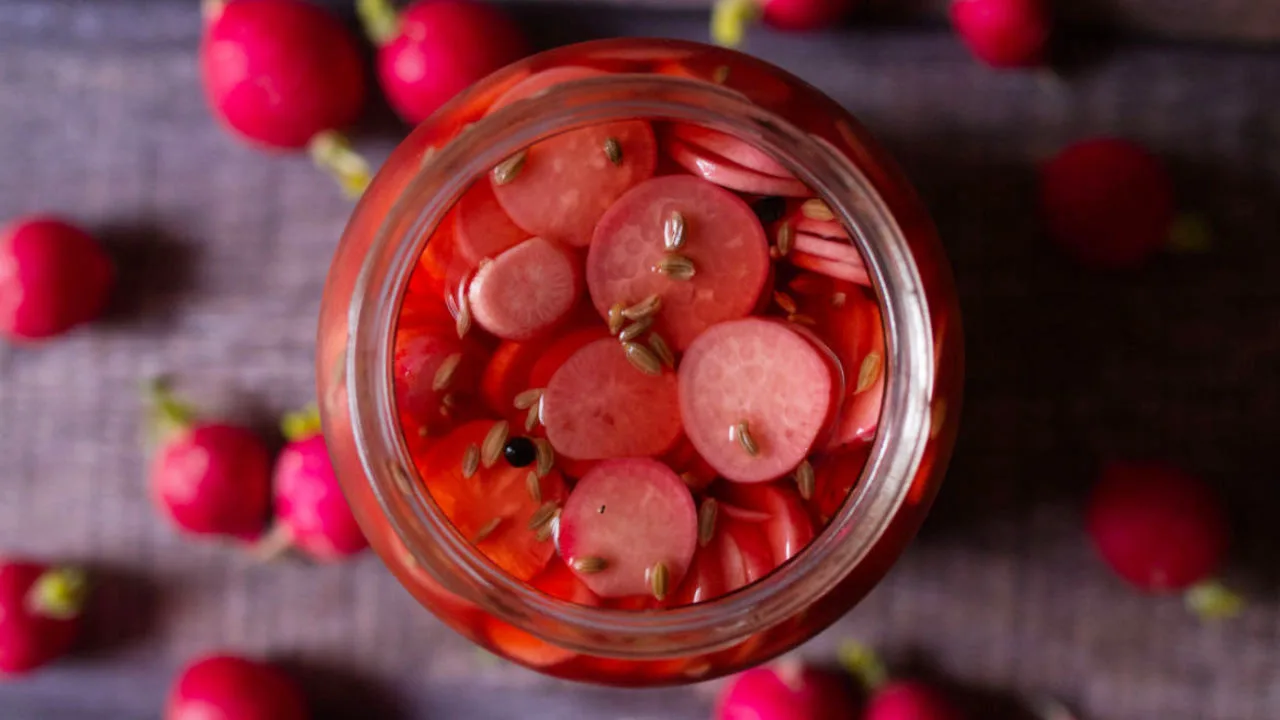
[635, 329]
[661, 349]
[589, 564]
[676, 267]
[423, 431]
[673, 231]
[534, 487]
[869, 371]
[646, 308]
[785, 239]
[549, 527]
[742, 433]
[491, 448]
[508, 169]
[838, 299]
[707, 512]
[616, 319]
[785, 302]
[527, 399]
[470, 461]
[464, 315]
[543, 515]
[659, 579]
[720, 74]
[804, 479]
[444, 373]
[801, 319]
[642, 358]
[815, 209]
[613, 150]
[534, 417]
[546, 457]
[483, 533]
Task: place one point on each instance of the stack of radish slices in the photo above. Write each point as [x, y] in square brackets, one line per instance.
[639, 364]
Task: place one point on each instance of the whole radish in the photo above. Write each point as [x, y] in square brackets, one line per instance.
[1003, 33]
[434, 49]
[890, 699]
[1107, 202]
[40, 610]
[53, 276]
[1163, 530]
[286, 75]
[234, 688]
[311, 513]
[786, 691]
[208, 478]
[730, 18]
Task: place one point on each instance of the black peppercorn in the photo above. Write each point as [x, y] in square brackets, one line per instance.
[520, 452]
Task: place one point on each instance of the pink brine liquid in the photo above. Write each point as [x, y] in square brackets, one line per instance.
[638, 365]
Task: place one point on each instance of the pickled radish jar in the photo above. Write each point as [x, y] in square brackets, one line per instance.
[640, 362]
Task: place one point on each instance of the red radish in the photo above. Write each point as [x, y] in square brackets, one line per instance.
[492, 506]
[786, 691]
[560, 350]
[53, 276]
[722, 238]
[730, 18]
[848, 321]
[483, 229]
[856, 274]
[745, 556]
[286, 75]
[829, 229]
[627, 522]
[1162, 530]
[730, 148]
[208, 478]
[538, 83]
[231, 687]
[507, 375]
[435, 49]
[40, 609]
[753, 396]
[788, 528]
[1108, 202]
[426, 388]
[835, 477]
[599, 406]
[895, 699]
[311, 513]
[705, 578]
[713, 168]
[1003, 33]
[834, 250]
[526, 290]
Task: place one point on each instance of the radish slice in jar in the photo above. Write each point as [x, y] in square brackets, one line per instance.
[714, 168]
[841, 251]
[788, 527]
[720, 237]
[627, 522]
[753, 397]
[526, 290]
[840, 270]
[730, 148]
[483, 229]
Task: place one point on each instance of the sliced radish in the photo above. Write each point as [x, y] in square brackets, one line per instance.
[705, 579]
[742, 514]
[560, 350]
[599, 406]
[730, 148]
[788, 528]
[723, 239]
[494, 494]
[835, 475]
[723, 172]
[854, 333]
[696, 472]
[524, 647]
[539, 83]
[483, 229]
[745, 555]
[507, 375]
[831, 229]
[834, 250]
[526, 290]
[760, 373]
[420, 352]
[831, 268]
[623, 519]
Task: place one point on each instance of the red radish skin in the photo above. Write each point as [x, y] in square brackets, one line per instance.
[40, 613]
[526, 290]
[788, 528]
[598, 406]
[724, 241]
[730, 18]
[910, 700]
[762, 373]
[1107, 202]
[730, 148]
[435, 49]
[209, 478]
[836, 251]
[420, 350]
[786, 691]
[234, 688]
[1162, 530]
[745, 556]
[559, 352]
[1003, 33]
[856, 274]
[632, 514]
[310, 509]
[713, 168]
[286, 75]
[53, 277]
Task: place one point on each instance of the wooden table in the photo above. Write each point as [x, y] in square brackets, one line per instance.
[224, 252]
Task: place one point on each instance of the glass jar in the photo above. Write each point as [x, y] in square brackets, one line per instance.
[826, 148]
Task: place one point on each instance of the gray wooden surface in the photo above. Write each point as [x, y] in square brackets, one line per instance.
[224, 252]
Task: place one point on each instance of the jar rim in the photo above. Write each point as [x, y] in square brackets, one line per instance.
[835, 551]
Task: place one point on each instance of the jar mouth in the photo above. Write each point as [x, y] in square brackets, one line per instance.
[704, 627]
